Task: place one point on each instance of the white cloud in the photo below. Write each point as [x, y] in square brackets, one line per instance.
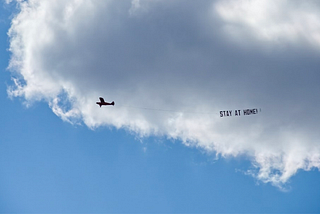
[69, 53]
[280, 22]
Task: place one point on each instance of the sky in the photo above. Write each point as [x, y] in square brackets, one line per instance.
[172, 68]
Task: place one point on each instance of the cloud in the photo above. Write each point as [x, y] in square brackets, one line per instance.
[278, 22]
[181, 58]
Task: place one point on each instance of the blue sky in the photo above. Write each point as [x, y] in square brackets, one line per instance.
[62, 158]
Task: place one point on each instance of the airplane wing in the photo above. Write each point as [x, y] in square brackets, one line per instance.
[101, 99]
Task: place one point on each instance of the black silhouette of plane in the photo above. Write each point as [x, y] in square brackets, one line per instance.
[103, 103]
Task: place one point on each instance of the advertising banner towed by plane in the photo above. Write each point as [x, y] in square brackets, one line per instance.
[230, 113]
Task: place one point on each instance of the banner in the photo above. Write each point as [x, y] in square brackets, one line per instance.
[244, 112]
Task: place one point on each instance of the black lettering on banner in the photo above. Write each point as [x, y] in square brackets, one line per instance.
[250, 111]
[228, 113]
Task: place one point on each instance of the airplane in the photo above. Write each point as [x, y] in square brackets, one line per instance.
[103, 103]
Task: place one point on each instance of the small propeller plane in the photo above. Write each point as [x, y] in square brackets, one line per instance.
[103, 103]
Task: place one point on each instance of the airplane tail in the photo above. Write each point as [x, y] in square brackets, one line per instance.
[112, 103]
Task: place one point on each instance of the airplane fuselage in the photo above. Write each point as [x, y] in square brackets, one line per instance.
[105, 104]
